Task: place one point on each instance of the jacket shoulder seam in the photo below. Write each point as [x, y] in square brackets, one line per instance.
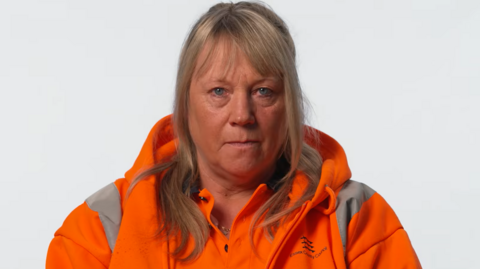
[374, 244]
[60, 235]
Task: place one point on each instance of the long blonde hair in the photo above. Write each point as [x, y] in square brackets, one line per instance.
[267, 43]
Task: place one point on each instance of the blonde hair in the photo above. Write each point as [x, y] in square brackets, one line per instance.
[267, 43]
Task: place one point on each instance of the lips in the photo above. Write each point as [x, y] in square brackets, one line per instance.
[243, 144]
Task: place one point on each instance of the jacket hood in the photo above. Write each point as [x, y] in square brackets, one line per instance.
[161, 143]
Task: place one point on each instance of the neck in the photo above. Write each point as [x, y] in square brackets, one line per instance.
[231, 187]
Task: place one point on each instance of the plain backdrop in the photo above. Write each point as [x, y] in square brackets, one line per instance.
[397, 83]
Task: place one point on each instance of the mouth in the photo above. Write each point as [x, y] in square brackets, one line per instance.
[243, 144]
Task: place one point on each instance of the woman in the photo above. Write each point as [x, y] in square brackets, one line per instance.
[233, 178]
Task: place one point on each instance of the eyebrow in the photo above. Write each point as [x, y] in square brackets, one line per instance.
[260, 80]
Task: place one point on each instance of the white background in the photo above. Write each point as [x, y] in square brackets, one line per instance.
[397, 83]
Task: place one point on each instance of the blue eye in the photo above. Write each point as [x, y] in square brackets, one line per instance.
[264, 91]
[219, 91]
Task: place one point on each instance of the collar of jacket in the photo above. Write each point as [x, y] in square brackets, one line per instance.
[161, 144]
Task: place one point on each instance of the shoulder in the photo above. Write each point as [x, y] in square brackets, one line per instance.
[87, 237]
[353, 194]
[94, 225]
[107, 203]
[364, 218]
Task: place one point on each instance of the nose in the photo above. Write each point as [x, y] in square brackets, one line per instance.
[242, 109]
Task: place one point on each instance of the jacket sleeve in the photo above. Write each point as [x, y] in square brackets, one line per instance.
[373, 236]
[80, 242]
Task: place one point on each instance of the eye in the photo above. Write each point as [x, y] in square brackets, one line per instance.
[219, 91]
[264, 91]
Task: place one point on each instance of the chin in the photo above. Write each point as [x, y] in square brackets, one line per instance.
[243, 169]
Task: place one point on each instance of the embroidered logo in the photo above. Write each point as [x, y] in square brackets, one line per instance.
[308, 249]
[307, 244]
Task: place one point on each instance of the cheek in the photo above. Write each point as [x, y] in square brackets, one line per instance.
[204, 125]
[273, 125]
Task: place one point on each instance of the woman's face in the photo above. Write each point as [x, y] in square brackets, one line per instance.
[236, 118]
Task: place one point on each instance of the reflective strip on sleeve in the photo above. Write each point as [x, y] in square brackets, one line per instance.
[106, 202]
[350, 199]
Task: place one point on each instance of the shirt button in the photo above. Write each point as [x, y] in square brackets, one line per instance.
[226, 248]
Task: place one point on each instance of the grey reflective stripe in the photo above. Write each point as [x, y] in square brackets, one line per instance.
[107, 203]
[349, 200]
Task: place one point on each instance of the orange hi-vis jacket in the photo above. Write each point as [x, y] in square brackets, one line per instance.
[345, 225]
